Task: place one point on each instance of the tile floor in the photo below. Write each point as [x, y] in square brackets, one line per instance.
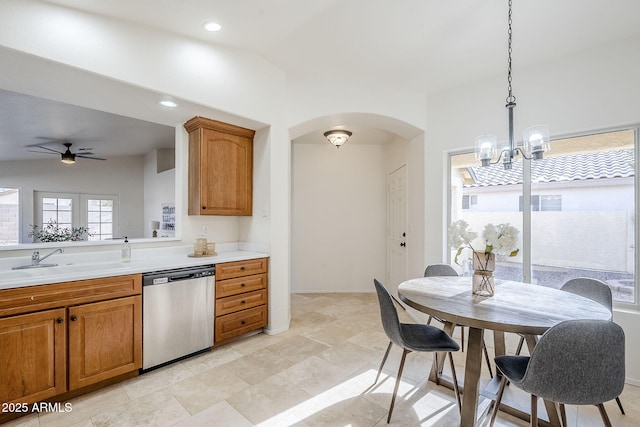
[319, 373]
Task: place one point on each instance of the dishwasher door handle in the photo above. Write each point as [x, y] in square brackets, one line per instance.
[178, 278]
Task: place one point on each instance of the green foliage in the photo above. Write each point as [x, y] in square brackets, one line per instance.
[54, 233]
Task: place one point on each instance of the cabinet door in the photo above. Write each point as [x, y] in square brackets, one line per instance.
[226, 174]
[32, 356]
[105, 340]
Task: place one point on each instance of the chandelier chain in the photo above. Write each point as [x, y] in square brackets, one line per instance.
[510, 99]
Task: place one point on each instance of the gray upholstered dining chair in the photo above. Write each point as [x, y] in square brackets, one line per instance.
[576, 362]
[597, 291]
[411, 337]
[448, 270]
[594, 289]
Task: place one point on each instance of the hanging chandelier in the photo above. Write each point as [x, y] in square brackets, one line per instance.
[535, 138]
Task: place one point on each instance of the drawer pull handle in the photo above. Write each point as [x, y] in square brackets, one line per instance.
[242, 268]
[60, 320]
[243, 322]
[74, 318]
[244, 302]
[243, 285]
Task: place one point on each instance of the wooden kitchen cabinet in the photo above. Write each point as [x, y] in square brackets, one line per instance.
[88, 331]
[220, 168]
[105, 340]
[33, 356]
[241, 298]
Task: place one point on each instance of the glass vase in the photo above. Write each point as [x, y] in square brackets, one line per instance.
[483, 283]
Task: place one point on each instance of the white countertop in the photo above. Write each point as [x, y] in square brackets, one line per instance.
[81, 266]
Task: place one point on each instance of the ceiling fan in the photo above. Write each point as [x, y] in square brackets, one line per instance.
[66, 156]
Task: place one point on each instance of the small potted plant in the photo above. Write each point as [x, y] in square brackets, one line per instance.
[52, 232]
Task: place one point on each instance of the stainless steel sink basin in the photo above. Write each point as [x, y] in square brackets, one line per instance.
[27, 267]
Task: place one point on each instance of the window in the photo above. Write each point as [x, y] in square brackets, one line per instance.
[70, 210]
[543, 203]
[582, 220]
[100, 218]
[9, 216]
[469, 202]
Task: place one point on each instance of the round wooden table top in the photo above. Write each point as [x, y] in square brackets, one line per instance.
[516, 307]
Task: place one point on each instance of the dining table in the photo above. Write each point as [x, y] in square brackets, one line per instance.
[516, 307]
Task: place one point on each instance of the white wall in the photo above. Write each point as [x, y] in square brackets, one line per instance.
[159, 188]
[594, 90]
[339, 217]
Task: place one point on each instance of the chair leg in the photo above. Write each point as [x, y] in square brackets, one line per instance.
[486, 357]
[429, 320]
[620, 405]
[563, 415]
[503, 384]
[456, 388]
[384, 359]
[534, 411]
[461, 338]
[520, 344]
[603, 414]
[395, 389]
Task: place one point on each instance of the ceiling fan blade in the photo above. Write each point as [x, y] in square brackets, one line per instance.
[43, 148]
[84, 156]
[43, 152]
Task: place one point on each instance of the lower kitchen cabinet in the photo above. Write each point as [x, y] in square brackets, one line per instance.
[33, 356]
[241, 298]
[88, 331]
[104, 340]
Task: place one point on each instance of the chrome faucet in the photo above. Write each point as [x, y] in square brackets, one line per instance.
[35, 257]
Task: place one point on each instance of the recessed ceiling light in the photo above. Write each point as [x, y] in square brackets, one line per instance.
[212, 26]
[168, 103]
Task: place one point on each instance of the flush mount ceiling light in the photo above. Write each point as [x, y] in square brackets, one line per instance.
[536, 138]
[212, 26]
[168, 103]
[337, 137]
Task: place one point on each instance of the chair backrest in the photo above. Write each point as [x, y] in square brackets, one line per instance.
[440, 270]
[593, 289]
[578, 362]
[389, 315]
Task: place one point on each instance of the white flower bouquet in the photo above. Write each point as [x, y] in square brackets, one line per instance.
[501, 239]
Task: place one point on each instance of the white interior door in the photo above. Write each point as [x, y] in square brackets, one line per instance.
[397, 228]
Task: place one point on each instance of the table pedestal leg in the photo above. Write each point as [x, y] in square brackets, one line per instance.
[473, 366]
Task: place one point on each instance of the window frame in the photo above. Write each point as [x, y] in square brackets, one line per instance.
[526, 196]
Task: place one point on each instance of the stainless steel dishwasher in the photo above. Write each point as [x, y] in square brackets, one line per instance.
[177, 314]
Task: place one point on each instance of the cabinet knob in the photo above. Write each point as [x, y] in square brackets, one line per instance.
[243, 322]
[60, 320]
[243, 302]
[242, 285]
[242, 268]
[74, 318]
[204, 207]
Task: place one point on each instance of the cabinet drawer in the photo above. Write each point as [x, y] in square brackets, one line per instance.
[240, 302]
[42, 297]
[228, 270]
[225, 288]
[244, 321]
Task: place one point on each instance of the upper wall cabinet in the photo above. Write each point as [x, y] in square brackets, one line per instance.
[220, 168]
